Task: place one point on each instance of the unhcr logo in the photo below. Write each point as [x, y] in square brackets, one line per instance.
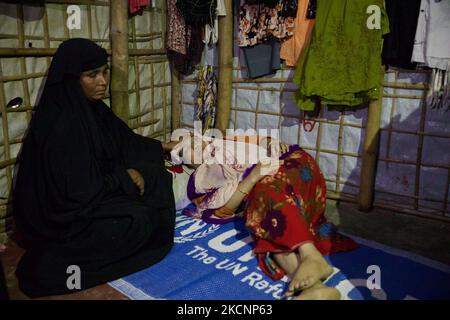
[193, 229]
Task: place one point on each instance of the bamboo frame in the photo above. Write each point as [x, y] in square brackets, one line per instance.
[371, 143]
[419, 152]
[175, 98]
[119, 58]
[340, 146]
[225, 68]
[45, 52]
[136, 77]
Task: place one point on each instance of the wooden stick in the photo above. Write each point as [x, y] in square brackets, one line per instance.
[423, 115]
[423, 164]
[225, 68]
[119, 58]
[446, 191]
[136, 78]
[18, 77]
[144, 124]
[369, 161]
[43, 52]
[411, 212]
[340, 146]
[391, 118]
[92, 2]
[175, 98]
[7, 163]
[319, 135]
[4, 122]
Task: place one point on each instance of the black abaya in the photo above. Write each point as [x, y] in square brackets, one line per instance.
[73, 200]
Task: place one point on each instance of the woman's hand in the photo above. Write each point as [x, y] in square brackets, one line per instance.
[267, 167]
[167, 147]
[138, 180]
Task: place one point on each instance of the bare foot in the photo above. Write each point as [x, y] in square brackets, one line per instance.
[319, 291]
[312, 269]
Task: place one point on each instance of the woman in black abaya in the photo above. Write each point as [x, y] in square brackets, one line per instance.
[89, 192]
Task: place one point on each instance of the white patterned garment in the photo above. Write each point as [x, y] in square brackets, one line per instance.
[212, 32]
[432, 42]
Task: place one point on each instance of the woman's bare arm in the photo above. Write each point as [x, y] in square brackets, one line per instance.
[246, 185]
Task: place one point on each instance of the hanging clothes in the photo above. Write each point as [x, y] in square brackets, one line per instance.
[178, 32]
[197, 12]
[438, 95]
[137, 6]
[342, 64]
[212, 30]
[432, 42]
[259, 22]
[206, 97]
[398, 44]
[262, 59]
[183, 41]
[293, 46]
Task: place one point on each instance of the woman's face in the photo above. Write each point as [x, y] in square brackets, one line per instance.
[94, 82]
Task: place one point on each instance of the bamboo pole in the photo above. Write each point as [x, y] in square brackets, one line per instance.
[225, 68]
[370, 153]
[119, 58]
[175, 98]
[44, 52]
[423, 115]
[135, 65]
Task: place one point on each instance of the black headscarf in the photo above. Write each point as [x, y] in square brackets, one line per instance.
[75, 152]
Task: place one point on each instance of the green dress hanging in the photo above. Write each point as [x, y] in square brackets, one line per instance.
[342, 64]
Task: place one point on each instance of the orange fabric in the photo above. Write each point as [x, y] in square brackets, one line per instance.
[292, 47]
[198, 200]
[224, 212]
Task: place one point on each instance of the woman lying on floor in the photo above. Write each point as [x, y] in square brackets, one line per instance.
[283, 207]
[90, 194]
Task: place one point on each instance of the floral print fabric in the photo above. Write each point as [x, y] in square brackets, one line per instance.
[287, 210]
[259, 22]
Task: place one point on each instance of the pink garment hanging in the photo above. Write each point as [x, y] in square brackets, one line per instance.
[134, 6]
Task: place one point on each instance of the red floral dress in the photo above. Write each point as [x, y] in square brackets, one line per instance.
[282, 212]
[286, 210]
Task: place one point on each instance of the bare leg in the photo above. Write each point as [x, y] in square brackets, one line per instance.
[312, 269]
[289, 262]
[319, 291]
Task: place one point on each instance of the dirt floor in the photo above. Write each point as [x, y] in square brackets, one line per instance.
[425, 237]
[421, 236]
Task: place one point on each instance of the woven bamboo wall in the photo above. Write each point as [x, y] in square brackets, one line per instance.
[42, 27]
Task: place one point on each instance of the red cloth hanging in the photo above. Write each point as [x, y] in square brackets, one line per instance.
[135, 6]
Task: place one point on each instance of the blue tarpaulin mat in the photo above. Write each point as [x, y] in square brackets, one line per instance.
[215, 262]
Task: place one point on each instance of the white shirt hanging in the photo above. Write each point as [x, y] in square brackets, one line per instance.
[212, 33]
[432, 42]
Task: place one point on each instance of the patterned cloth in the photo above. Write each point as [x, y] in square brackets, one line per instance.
[184, 42]
[258, 22]
[178, 33]
[207, 97]
[287, 210]
[293, 46]
[342, 64]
